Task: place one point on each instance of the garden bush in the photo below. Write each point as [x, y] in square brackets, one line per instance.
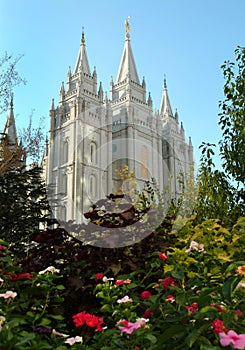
[177, 289]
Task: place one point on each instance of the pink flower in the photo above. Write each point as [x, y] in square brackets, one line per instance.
[128, 327]
[125, 299]
[162, 256]
[146, 294]
[119, 282]
[218, 326]
[170, 298]
[8, 294]
[74, 340]
[237, 340]
[98, 276]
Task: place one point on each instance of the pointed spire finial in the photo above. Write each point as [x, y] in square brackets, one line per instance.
[83, 38]
[165, 82]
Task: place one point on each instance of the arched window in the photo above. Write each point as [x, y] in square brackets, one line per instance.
[144, 162]
[93, 149]
[92, 186]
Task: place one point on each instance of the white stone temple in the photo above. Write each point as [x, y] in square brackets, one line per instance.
[93, 134]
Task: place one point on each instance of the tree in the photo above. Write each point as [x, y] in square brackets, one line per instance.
[9, 78]
[32, 139]
[232, 118]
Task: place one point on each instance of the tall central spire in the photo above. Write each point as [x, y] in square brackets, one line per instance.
[82, 58]
[127, 67]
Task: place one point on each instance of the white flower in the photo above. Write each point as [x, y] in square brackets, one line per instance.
[195, 246]
[51, 269]
[1, 280]
[125, 299]
[142, 321]
[105, 279]
[62, 335]
[8, 294]
[74, 340]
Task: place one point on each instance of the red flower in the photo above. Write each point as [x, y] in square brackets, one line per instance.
[168, 281]
[162, 256]
[79, 319]
[145, 295]
[119, 282]
[148, 313]
[193, 308]
[170, 298]
[218, 326]
[21, 276]
[2, 247]
[219, 308]
[98, 276]
[90, 320]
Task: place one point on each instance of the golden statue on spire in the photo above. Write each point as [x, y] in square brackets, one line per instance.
[127, 26]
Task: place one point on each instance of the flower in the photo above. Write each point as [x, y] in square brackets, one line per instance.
[142, 321]
[219, 308]
[241, 270]
[21, 276]
[62, 335]
[74, 340]
[79, 319]
[2, 320]
[42, 330]
[90, 320]
[98, 276]
[2, 248]
[8, 294]
[146, 294]
[119, 282]
[128, 327]
[237, 340]
[194, 246]
[51, 269]
[168, 281]
[125, 299]
[1, 280]
[192, 309]
[170, 298]
[218, 326]
[162, 256]
[105, 279]
[148, 313]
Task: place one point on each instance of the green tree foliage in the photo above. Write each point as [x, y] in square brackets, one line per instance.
[232, 118]
[221, 192]
[23, 202]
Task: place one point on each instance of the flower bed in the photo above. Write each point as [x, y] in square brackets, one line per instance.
[186, 292]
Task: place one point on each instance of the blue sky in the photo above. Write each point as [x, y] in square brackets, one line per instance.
[186, 40]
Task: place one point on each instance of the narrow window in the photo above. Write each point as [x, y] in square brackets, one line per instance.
[144, 162]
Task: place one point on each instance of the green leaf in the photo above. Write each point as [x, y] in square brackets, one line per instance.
[170, 332]
[151, 338]
[195, 334]
[106, 308]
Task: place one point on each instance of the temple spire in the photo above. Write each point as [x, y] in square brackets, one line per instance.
[10, 128]
[127, 67]
[82, 58]
[165, 106]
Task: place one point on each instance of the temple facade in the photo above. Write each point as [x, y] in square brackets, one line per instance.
[94, 133]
